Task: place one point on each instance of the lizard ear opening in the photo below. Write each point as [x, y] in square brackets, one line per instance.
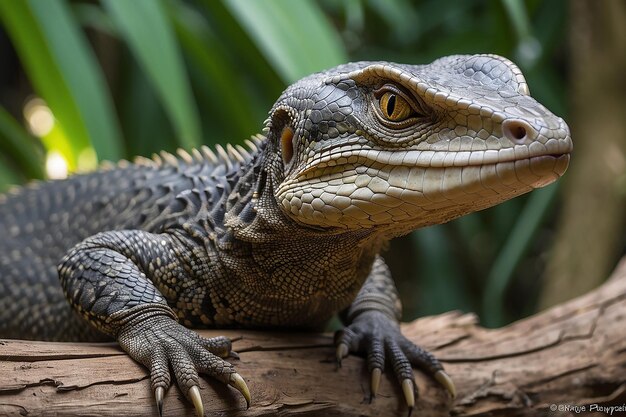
[286, 144]
[281, 125]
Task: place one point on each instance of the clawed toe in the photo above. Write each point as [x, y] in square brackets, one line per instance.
[193, 394]
[375, 382]
[445, 380]
[384, 345]
[342, 352]
[163, 345]
[237, 382]
[408, 389]
[196, 399]
[159, 392]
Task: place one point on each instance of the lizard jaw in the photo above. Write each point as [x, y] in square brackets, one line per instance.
[401, 198]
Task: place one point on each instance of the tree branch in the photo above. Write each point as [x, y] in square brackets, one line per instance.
[573, 354]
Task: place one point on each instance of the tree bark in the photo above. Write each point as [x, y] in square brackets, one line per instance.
[573, 355]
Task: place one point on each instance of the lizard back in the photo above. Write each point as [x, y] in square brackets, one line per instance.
[41, 221]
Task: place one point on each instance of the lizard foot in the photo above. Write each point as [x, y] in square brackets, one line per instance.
[379, 338]
[161, 344]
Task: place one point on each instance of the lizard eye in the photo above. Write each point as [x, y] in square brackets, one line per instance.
[394, 107]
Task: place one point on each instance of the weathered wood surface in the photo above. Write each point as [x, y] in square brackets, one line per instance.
[573, 354]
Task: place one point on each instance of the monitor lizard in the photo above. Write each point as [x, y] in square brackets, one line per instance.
[283, 234]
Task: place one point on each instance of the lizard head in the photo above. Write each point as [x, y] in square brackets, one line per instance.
[397, 147]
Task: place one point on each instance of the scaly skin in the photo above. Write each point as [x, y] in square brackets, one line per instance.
[285, 235]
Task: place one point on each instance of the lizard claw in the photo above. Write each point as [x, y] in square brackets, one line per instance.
[445, 380]
[161, 344]
[237, 382]
[158, 395]
[377, 336]
[375, 382]
[194, 395]
[408, 389]
[342, 352]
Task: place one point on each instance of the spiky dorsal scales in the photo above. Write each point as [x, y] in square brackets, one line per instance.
[229, 156]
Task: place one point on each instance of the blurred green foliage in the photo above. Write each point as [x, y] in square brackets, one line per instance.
[125, 78]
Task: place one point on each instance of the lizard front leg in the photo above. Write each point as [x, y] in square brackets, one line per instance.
[373, 329]
[111, 279]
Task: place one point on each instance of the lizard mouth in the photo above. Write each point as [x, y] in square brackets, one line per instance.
[554, 163]
[356, 187]
[554, 152]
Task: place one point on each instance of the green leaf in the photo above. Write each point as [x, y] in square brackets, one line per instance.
[440, 280]
[294, 36]
[150, 36]
[64, 72]
[91, 15]
[402, 19]
[19, 146]
[8, 177]
[520, 238]
[46, 41]
[243, 53]
[80, 69]
[528, 49]
[229, 99]
[518, 17]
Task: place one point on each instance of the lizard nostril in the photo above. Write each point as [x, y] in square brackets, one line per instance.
[517, 131]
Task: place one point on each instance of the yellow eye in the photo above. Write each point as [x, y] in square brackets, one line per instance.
[394, 107]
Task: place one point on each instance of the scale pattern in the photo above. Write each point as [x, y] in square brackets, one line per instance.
[285, 233]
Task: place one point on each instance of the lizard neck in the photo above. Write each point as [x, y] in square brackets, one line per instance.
[253, 214]
[296, 274]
